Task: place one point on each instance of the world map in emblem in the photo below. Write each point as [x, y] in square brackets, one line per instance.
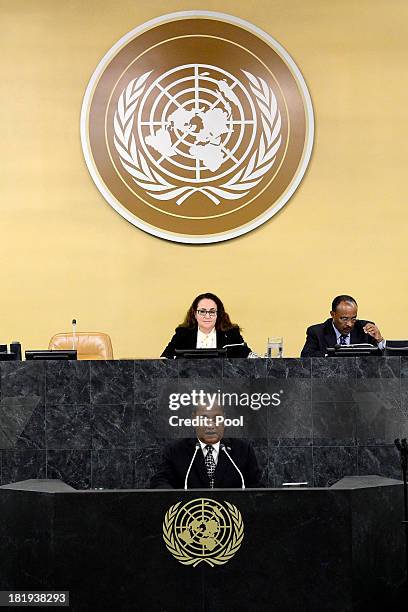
[204, 124]
[199, 132]
[197, 127]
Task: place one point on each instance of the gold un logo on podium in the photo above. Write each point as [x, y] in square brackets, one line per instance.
[197, 127]
[203, 530]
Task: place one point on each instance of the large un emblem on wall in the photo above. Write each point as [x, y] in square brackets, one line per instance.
[197, 127]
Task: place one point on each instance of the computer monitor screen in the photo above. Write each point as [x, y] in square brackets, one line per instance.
[353, 350]
[396, 351]
[47, 354]
[237, 350]
[4, 356]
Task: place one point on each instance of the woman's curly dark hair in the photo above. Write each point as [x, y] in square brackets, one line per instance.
[223, 321]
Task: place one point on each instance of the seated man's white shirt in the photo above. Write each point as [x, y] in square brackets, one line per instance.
[339, 334]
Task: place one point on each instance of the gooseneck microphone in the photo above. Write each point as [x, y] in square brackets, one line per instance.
[73, 333]
[197, 446]
[224, 448]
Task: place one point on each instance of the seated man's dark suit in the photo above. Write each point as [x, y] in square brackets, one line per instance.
[322, 336]
[186, 338]
[177, 456]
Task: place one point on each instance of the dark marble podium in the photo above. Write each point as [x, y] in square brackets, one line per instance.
[98, 424]
[337, 549]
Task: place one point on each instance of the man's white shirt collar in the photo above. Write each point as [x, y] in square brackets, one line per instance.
[216, 450]
[338, 334]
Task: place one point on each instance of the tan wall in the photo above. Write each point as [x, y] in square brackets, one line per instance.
[65, 252]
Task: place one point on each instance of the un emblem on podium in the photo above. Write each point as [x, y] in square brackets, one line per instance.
[197, 127]
[203, 531]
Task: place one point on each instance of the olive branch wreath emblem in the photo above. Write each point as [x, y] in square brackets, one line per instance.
[158, 187]
[183, 557]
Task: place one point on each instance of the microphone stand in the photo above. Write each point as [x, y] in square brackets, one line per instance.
[224, 448]
[403, 451]
[73, 333]
[197, 446]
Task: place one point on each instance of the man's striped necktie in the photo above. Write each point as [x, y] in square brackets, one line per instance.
[210, 464]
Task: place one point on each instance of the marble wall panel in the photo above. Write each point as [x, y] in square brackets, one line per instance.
[113, 469]
[378, 367]
[334, 424]
[71, 466]
[333, 390]
[288, 368]
[146, 463]
[404, 386]
[404, 367]
[200, 368]
[23, 464]
[290, 464]
[150, 375]
[290, 424]
[150, 423]
[21, 379]
[22, 423]
[381, 460]
[114, 426]
[387, 390]
[331, 463]
[336, 416]
[112, 382]
[69, 427]
[290, 390]
[329, 368]
[68, 382]
[379, 422]
[333, 380]
[261, 449]
[244, 368]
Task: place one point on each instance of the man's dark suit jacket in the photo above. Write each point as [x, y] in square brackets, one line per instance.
[186, 338]
[322, 336]
[177, 456]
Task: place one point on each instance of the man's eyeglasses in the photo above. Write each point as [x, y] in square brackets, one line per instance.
[211, 313]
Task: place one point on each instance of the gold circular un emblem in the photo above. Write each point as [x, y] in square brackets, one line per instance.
[197, 127]
[203, 530]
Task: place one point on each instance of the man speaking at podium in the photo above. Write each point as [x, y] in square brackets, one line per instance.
[208, 461]
[343, 328]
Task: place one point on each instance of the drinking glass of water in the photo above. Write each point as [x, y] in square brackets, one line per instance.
[274, 348]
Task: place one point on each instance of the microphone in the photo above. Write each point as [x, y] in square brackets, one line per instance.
[197, 446]
[73, 333]
[224, 448]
